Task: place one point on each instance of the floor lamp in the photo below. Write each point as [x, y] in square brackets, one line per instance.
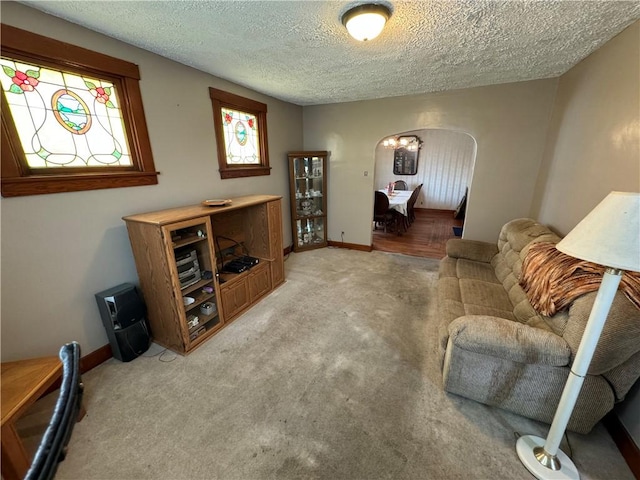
[608, 236]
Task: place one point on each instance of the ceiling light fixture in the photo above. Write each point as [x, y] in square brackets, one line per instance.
[365, 22]
[408, 142]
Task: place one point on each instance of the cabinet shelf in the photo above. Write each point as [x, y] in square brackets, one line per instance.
[302, 217]
[199, 299]
[230, 277]
[203, 321]
[209, 329]
[183, 242]
[199, 284]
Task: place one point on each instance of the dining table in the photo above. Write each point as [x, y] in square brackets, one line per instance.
[398, 200]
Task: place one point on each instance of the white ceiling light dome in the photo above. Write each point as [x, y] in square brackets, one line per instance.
[365, 22]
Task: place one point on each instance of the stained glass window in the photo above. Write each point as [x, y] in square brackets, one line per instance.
[72, 119]
[241, 134]
[64, 119]
[243, 145]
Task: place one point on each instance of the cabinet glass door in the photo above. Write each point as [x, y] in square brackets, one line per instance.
[308, 199]
[310, 232]
[195, 271]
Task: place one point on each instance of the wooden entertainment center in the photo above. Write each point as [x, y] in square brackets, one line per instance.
[180, 254]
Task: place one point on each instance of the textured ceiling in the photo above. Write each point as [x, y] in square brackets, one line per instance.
[299, 51]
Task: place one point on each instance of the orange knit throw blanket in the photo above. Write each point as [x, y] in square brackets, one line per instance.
[552, 280]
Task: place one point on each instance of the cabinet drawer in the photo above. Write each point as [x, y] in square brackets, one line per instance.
[235, 298]
[259, 281]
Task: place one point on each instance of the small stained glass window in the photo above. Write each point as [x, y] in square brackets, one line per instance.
[64, 119]
[240, 126]
[240, 137]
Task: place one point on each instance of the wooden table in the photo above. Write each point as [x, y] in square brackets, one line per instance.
[22, 382]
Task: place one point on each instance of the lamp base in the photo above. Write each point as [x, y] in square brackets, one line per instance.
[525, 446]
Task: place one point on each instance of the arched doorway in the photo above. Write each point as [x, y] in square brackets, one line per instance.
[444, 169]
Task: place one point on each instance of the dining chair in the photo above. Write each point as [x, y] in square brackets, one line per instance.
[411, 214]
[382, 214]
[400, 185]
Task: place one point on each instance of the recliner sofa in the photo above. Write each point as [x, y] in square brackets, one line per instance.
[496, 349]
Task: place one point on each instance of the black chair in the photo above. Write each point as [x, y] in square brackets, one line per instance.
[400, 185]
[411, 214]
[382, 214]
[461, 209]
[53, 446]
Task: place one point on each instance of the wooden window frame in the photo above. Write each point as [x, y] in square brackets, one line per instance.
[17, 178]
[221, 99]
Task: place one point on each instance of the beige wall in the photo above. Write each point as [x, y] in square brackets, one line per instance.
[58, 250]
[593, 145]
[509, 123]
[593, 148]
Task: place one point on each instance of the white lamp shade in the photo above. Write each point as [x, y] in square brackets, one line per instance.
[365, 22]
[609, 235]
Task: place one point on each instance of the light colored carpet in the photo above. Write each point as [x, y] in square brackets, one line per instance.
[333, 376]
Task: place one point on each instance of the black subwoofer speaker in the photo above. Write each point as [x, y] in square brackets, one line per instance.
[123, 315]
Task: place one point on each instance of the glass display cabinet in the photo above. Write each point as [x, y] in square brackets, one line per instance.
[308, 186]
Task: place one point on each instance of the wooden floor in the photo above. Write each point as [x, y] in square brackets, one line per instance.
[426, 237]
